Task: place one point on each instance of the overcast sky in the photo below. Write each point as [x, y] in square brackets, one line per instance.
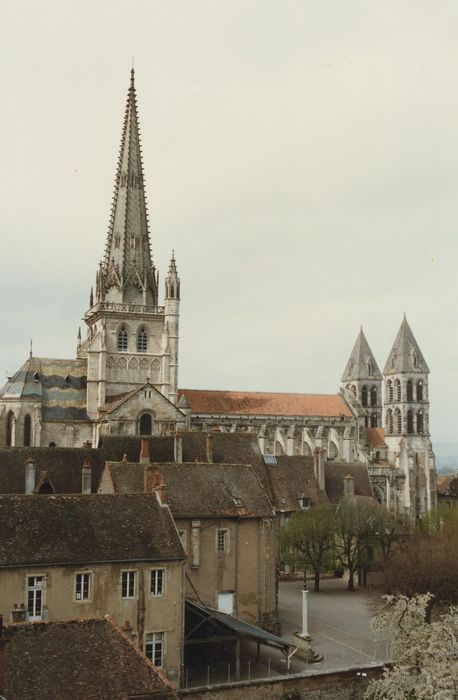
[301, 157]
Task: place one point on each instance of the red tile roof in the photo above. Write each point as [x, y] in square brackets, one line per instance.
[265, 404]
[376, 437]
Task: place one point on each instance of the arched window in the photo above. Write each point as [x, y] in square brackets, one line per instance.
[409, 390]
[364, 396]
[27, 431]
[353, 388]
[398, 421]
[373, 420]
[370, 368]
[389, 389]
[389, 421]
[142, 340]
[420, 422]
[373, 396]
[172, 291]
[415, 359]
[397, 389]
[410, 422]
[420, 391]
[10, 429]
[146, 424]
[122, 339]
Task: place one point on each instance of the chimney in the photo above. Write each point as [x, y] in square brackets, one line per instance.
[178, 448]
[151, 479]
[86, 476]
[162, 491]
[144, 451]
[30, 476]
[210, 448]
[18, 614]
[349, 485]
[318, 467]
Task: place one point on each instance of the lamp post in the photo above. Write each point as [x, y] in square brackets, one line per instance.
[304, 632]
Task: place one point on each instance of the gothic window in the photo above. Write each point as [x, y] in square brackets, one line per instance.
[373, 396]
[122, 339]
[397, 389]
[145, 424]
[410, 422]
[389, 388]
[172, 291]
[142, 340]
[389, 421]
[27, 431]
[10, 429]
[364, 396]
[409, 390]
[420, 422]
[398, 421]
[373, 420]
[420, 391]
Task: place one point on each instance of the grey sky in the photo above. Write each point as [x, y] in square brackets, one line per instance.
[301, 158]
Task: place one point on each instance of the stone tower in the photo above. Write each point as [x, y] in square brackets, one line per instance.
[407, 421]
[130, 337]
[363, 379]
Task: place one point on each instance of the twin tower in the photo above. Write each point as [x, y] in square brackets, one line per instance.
[404, 413]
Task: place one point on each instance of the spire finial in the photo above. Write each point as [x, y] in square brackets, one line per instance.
[132, 75]
[30, 352]
[405, 317]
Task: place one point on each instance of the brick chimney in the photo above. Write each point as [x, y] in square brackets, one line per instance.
[349, 485]
[151, 478]
[30, 472]
[162, 491]
[86, 476]
[144, 451]
[318, 467]
[209, 442]
[178, 448]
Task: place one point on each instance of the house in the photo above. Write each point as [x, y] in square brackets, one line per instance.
[80, 556]
[81, 659]
[226, 525]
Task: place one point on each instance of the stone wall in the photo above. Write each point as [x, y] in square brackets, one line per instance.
[339, 685]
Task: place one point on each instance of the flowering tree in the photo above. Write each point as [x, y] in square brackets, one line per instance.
[424, 655]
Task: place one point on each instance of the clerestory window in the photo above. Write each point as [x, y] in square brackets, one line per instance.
[122, 339]
[142, 340]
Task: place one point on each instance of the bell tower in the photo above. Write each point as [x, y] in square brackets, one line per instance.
[363, 379]
[130, 338]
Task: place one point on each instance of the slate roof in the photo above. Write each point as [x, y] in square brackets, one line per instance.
[200, 490]
[292, 478]
[335, 472]
[62, 464]
[444, 482]
[264, 404]
[360, 360]
[228, 448]
[401, 356]
[376, 437]
[60, 386]
[78, 659]
[85, 529]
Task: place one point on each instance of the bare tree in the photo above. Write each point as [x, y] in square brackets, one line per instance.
[355, 521]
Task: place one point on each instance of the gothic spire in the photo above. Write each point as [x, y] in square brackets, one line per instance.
[405, 355]
[127, 273]
[361, 364]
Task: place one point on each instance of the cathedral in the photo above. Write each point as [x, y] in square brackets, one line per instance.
[124, 379]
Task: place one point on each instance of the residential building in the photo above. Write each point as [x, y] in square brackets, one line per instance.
[84, 556]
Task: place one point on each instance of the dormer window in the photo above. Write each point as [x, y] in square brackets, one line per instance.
[36, 377]
[67, 380]
[237, 502]
[122, 339]
[304, 503]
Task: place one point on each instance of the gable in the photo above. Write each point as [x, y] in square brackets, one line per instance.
[146, 399]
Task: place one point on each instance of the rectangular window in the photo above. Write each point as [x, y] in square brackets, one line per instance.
[226, 603]
[35, 586]
[82, 586]
[157, 582]
[222, 540]
[154, 648]
[127, 584]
